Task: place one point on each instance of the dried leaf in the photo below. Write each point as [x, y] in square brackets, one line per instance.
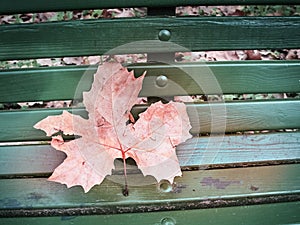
[73, 60]
[253, 55]
[44, 62]
[125, 13]
[108, 134]
[93, 60]
[222, 55]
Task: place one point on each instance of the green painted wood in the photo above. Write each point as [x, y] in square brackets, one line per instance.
[221, 78]
[245, 116]
[203, 151]
[275, 214]
[22, 122]
[31, 159]
[19, 6]
[195, 189]
[44, 84]
[94, 37]
[241, 116]
[54, 83]
[205, 118]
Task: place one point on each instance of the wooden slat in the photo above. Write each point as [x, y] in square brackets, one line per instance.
[94, 37]
[245, 116]
[205, 118]
[44, 84]
[195, 189]
[234, 149]
[286, 213]
[241, 116]
[22, 122]
[61, 83]
[221, 78]
[21, 6]
[31, 159]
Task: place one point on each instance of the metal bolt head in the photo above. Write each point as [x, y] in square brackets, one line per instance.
[164, 35]
[165, 186]
[161, 81]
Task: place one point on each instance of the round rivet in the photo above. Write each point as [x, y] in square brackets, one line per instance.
[167, 221]
[161, 81]
[165, 186]
[164, 35]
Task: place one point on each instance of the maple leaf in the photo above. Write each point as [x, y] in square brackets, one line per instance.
[107, 133]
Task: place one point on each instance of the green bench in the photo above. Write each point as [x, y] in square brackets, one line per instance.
[230, 175]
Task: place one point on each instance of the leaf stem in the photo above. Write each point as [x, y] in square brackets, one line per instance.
[125, 190]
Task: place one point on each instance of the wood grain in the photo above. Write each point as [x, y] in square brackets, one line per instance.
[286, 213]
[249, 191]
[61, 83]
[205, 118]
[95, 37]
[195, 189]
[36, 160]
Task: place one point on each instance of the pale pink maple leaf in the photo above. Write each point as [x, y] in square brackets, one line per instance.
[107, 135]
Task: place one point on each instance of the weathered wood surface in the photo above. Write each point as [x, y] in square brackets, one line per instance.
[23, 6]
[95, 37]
[200, 152]
[43, 84]
[241, 188]
[195, 189]
[275, 214]
[205, 118]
